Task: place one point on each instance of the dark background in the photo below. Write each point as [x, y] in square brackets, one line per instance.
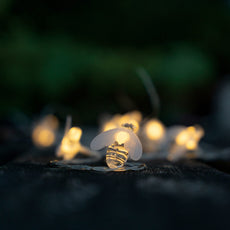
[80, 56]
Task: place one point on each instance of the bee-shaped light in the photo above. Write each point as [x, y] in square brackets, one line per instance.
[121, 142]
[44, 133]
[70, 144]
[185, 140]
[152, 135]
[118, 120]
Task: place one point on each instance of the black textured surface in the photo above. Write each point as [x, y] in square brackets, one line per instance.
[183, 195]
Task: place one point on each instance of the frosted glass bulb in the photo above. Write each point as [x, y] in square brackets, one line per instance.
[121, 143]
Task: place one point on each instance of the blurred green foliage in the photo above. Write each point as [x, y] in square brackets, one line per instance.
[82, 55]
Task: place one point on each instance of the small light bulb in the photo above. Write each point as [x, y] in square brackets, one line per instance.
[152, 135]
[70, 144]
[182, 137]
[189, 137]
[121, 142]
[74, 134]
[184, 141]
[122, 137]
[191, 145]
[43, 134]
[155, 130]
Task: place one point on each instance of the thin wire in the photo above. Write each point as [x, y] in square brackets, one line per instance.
[151, 90]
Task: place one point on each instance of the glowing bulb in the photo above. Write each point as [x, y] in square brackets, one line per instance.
[74, 134]
[43, 137]
[182, 137]
[121, 142]
[191, 145]
[122, 137]
[155, 130]
[189, 137]
[70, 144]
[43, 134]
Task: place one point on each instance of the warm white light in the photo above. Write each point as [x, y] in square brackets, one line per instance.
[189, 137]
[191, 145]
[155, 130]
[70, 144]
[43, 134]
[74, 134]
[122, 137]
[182, 137]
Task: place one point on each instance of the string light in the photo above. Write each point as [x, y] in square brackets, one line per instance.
[121, 143]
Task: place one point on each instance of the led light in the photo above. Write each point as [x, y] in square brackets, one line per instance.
[74, 134]
[182, 137]
[121, 142]
[43, 134]
[122, 137]
[184, 141]
[70, 144]
[190, 137]
[155, 130]
[191, 145]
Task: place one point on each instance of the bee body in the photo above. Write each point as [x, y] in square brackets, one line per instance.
[116, 155]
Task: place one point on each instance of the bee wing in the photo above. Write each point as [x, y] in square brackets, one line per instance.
[104, 139]
[134, 147]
